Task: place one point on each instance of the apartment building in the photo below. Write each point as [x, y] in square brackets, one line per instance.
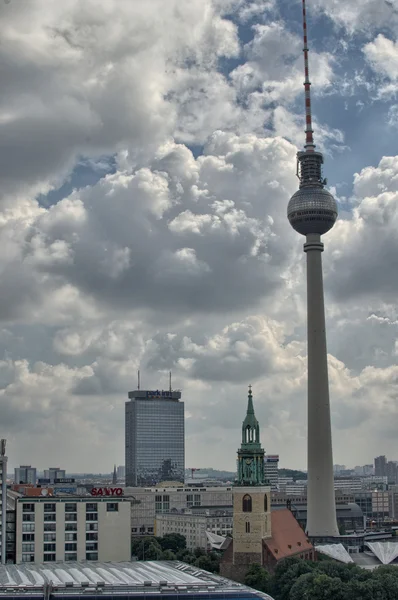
[146, 503]
[193, 525]
[69, 528]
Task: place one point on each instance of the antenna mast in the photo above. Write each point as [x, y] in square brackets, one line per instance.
[309, 139]
[138, 386]
[170, 382]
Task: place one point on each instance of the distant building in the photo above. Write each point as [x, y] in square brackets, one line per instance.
[154, 442]
[392, 471]
[50, 529]
[380, 466]
[3, 499]
[271, 462]
[25, 474]
[121, 472]
[54, 473]
[147, 503]
[194, 525]
[347, 483]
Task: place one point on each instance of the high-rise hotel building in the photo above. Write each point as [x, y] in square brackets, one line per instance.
[154, 442]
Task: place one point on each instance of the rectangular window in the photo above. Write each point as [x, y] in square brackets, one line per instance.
[49, 558]
[27, 537]
[92, 517]
[28, 558]
[70, 516]
[90, 507]
[49, 517]
[91, 555]
[49, 526]
[70, 547]
[197, 500]
[49, 537]
[28, 547]
[247, 527]
[70, 537]
[71, 556]
[49, 547]
[28, 507]
[28, 526]
[70, 507]
[70, 526]
[112, 507]
[91, 526]
[49, 507]
[92, 536]
[91, 546]
[28, 517]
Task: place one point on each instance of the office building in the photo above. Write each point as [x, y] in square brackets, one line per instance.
[25, 474]
[312, 212]
[147, 503]
[121, 472]
[119, 580]
[69, 528]
[380, 466]
[194, 525]
[271, 462]
[54, 473]
[3, 499]
[154, 441]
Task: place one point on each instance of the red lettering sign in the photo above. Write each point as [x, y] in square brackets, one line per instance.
[107, 492]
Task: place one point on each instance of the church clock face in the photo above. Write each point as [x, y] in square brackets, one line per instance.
[249, 461]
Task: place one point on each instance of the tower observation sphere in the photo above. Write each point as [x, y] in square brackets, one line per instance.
[312, 210]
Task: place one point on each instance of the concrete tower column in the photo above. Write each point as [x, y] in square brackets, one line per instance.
[321, 506]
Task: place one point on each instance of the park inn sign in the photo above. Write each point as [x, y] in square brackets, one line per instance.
[117, 491]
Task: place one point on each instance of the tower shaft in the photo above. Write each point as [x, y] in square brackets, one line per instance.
[321, 505]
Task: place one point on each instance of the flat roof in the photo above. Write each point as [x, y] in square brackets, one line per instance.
[118, 579]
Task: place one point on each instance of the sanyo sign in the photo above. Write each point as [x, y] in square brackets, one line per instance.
[107, 491]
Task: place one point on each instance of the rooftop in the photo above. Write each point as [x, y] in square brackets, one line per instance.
[118, 579]
[287, 536]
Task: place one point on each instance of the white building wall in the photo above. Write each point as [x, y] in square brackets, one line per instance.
[153, 501]
[193, 527]
[79, 529]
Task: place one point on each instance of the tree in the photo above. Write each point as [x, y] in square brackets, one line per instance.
[318, 586]
[372, 589]
[173, 542]
[285, 578]
[146, 548]
[168, 555]
[258, 578]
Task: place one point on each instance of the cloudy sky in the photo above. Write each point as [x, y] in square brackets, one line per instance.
[147, 159]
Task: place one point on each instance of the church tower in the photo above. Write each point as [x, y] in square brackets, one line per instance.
[251, 495]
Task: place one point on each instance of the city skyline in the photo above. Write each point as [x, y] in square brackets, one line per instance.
[143, 224]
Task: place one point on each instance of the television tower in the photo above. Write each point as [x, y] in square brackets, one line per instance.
[312, 211]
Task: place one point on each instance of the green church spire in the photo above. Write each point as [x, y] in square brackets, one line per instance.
[250, 454]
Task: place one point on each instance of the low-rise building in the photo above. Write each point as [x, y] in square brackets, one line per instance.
[146, 503]
[193, 525]
[69, 528]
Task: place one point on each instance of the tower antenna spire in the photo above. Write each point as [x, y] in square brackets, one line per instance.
[309, 138]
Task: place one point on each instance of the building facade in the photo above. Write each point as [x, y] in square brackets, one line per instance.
[52, 529]
[155, 439]
[25, 474]
[54, 473]
[147, 503]
[380, 466]
[3, 499]
[194, 525]
[271, 462]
